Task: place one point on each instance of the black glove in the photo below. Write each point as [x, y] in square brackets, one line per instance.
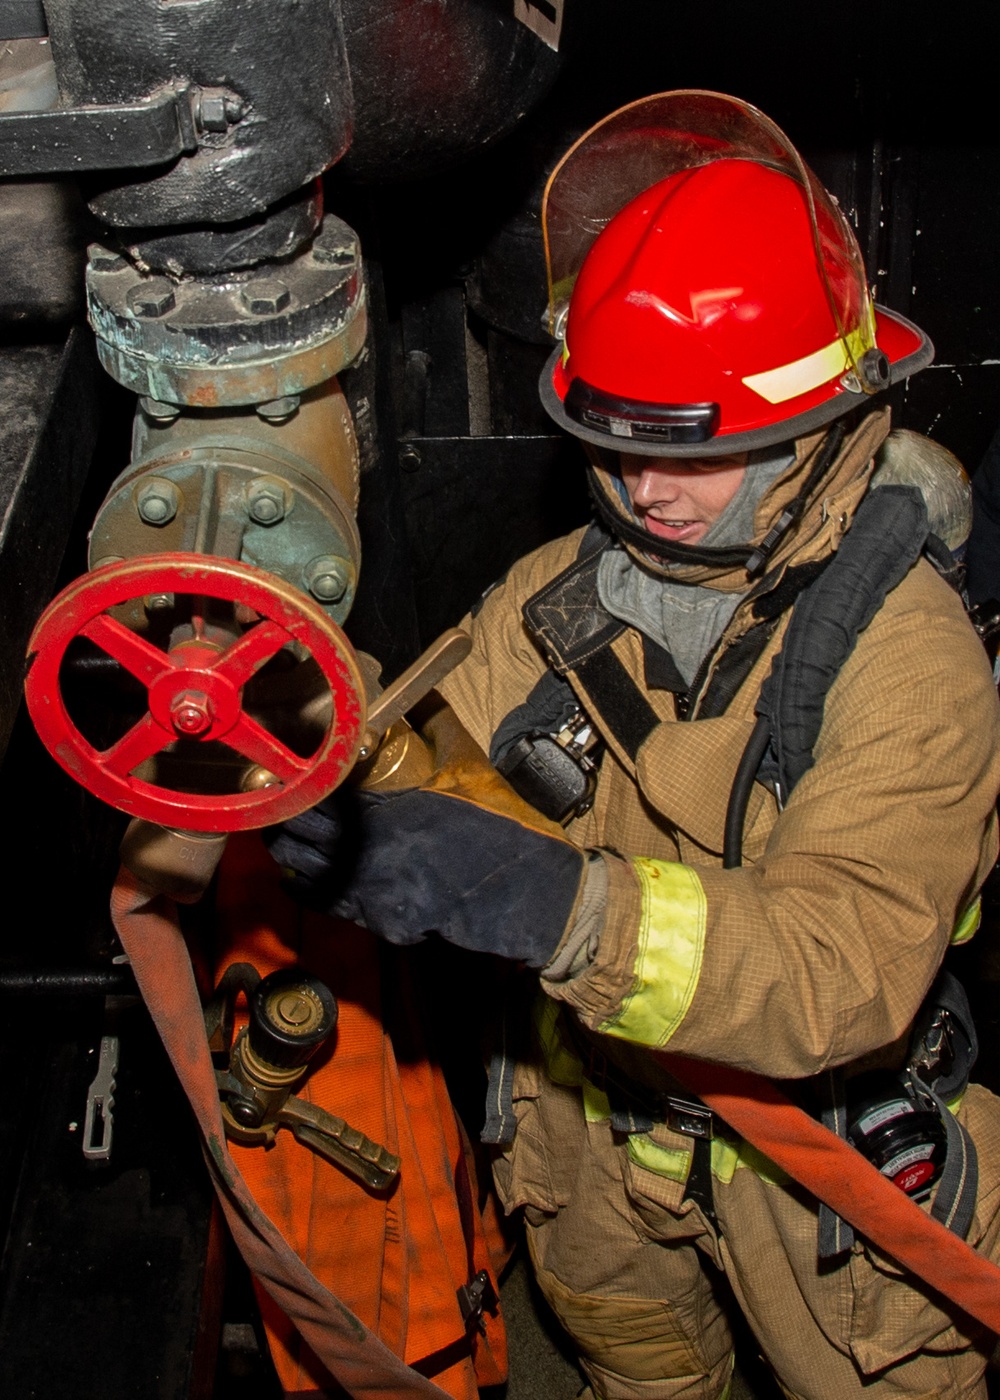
[461, 856]
[306, 847]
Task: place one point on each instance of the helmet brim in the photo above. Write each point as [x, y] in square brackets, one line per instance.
[906, 346]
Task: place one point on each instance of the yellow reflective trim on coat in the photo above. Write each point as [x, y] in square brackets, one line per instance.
[668, 963]
[596, 1108]
[562, 1065]
[968, 923]
[671, 1162]
[725, 1159]
[728, 1156]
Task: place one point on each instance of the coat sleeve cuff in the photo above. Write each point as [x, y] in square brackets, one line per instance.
[644, 976]
[597, 992]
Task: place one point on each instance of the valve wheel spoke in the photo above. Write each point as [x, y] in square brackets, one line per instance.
[139, 657]
[142, 741]
[253, 650]
[253, 741]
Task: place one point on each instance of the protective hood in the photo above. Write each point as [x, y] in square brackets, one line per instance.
[805, 512]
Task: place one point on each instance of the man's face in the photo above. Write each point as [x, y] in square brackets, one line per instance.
[679, 498]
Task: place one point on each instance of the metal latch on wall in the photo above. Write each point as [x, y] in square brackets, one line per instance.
[98, 1121]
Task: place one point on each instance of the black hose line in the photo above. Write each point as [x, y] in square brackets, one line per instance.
[739, 796]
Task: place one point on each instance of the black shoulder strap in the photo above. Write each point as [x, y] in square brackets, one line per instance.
[884, 542]
[620, 703]
[566, 616]
[739, 659]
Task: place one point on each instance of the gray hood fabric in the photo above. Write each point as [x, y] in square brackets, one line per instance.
[688, 619]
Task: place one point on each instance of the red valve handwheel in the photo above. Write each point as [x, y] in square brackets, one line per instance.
[195, 691]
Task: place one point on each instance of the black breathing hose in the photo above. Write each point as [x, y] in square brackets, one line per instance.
[739, 796]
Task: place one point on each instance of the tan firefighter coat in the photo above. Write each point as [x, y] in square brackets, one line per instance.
[820, 949]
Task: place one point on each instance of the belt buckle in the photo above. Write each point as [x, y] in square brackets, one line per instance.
[691, 1119]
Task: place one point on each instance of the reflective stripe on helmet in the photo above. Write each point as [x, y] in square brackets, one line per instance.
[800, 376]
[668, 963]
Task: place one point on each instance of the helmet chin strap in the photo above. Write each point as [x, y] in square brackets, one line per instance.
[752, 557]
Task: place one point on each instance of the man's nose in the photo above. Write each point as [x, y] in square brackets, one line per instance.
[653, 487]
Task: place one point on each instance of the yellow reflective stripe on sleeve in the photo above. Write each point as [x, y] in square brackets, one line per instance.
[968, 923]
[668, 964]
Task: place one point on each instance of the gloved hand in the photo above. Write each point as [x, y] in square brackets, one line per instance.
[462, 856]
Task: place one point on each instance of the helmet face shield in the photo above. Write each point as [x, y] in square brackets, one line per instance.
[724, 260]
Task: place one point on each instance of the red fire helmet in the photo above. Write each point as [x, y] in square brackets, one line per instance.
[708, 291]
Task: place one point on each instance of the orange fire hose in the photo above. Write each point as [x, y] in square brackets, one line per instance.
[835, 1173]
[359, 1360]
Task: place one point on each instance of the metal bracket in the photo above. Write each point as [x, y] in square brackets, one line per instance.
[688, 1117]
[98, 1121]
[125, 136]
[476, 1297]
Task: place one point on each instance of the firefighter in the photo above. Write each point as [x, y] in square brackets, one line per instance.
[745, 607]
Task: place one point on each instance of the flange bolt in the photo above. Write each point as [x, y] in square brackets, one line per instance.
[192, 713]
[157, 501]
[328, 578]
[158, 602]
[265, 297]
[267, 502]
[151, 298]
[335, 247]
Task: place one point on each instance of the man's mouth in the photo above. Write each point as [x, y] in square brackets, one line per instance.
[671, 529]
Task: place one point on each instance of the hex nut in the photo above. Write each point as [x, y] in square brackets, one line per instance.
[333, 248]
[267, 501]
[151, 298]
[328, 578]
[157, 500]
[192, 713]
[265, 297]
[212, 112]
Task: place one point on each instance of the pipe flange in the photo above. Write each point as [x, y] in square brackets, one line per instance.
[237, 503]
[238, 337]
